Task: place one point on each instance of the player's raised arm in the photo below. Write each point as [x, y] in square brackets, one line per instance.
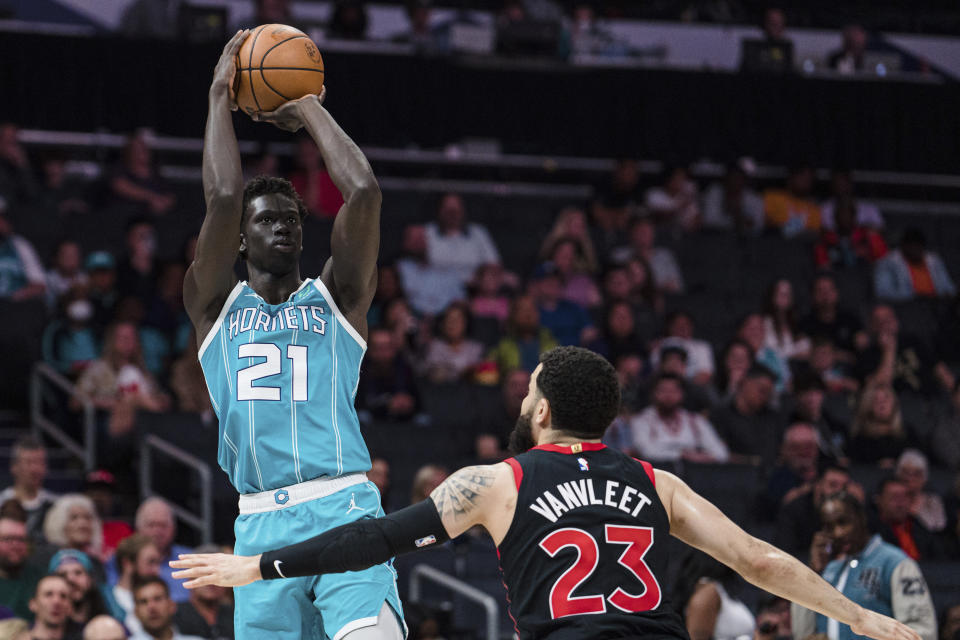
[700, 524]
[209, 279]
[351, 272]
[478, 495]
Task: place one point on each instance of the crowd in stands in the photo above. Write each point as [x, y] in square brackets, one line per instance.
[808, 386]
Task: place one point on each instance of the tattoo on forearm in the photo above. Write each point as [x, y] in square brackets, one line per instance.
[459, 494]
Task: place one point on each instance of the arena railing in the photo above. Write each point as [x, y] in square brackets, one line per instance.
[202, 522]
[85, 450]
[424, 572]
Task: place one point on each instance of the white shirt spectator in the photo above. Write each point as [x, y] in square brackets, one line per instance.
[716, 216]
[699, 354]
[429, 289]
[786, 346]
[658, 440]
[124, 598]
[461, 252]
[58, 284]
[867, 215]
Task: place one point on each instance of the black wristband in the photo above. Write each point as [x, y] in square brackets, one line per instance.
[358, 545]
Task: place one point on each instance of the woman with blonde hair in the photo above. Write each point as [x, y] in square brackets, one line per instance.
[877, 434]
[72, 523]
[571, 224]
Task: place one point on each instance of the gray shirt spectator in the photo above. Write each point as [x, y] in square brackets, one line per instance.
[428, 288]
[456, 245]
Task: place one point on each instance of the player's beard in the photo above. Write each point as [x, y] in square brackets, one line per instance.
[521, 438]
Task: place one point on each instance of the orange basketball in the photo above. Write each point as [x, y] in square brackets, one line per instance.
[276, 64]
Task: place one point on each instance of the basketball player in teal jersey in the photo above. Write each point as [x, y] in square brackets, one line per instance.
[281, 357]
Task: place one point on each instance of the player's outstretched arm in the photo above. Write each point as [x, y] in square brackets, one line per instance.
[471, 496]
[210, 277]
[351, 272]
[700, 524]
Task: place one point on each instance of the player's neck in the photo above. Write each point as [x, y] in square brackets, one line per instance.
[561, 439]
[272, 288]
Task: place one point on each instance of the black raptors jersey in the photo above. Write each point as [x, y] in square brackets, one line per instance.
[587, 549]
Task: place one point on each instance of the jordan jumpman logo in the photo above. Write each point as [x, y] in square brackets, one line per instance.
[353, 504]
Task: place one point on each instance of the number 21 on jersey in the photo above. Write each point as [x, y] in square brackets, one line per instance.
[271, 366]
[638, 541]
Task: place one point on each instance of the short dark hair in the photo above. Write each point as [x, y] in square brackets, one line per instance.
[25, 443]
[835, 467]
[758, 370]
[674, 350]
[667, 376]
[913, 235]
[146, 582]
[886, 482]
[582, 389]
[848, 500]
[12, 510]
[266, 185]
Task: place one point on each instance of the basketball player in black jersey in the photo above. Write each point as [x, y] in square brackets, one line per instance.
[581, 529]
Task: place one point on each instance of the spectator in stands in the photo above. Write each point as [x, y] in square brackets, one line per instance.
[926, 507]
[72, 523]
[945, 439]
[611, 210]
[680, 333]
[455, 244]
[792, 210]
[950, 623]
[155, 608]
[188, 384]
[900, 359]
[209, 611]
[388, 288]
[51, 609]
[62, 194]
[673, 360]
[823, 363]
[18, 576]
[69, 342]
[349, 20]
[796, 468]
[487, 299]
[736, 361]
[28, 468]
[878, 434]
[848, 244]
[798, 521]
[104, 628]
[67, 271]
[428, 288]
[137, 558]
[675, 201]
[100, 486]
[569, 322]
[138, 270]
[775, 25]
[706, 595]
[662, 263]
[827, 318]
[849, 59]
[102, 291]
[410, 333]
[865, 214]
[809, 394]
[780, 323]
[733, 203]
[151, 19]
[894, 522]
[577, 285]
[21, 272]
[526, 338]
[164, 310]
[619, 337]
[872, 573]
[912, 272]
[154, 519]
[90, 597]
[753, 332]
[425, 36]
[571, 224]
[119, 381]
[746, 423]
[136, 183]
[387, 389]
[427, 478]
[451, 355]
[312, 181]
[379, 475]
[666, 432]
[773, 619]
[17, 184]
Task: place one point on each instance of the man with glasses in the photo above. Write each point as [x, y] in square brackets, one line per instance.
[18, 579]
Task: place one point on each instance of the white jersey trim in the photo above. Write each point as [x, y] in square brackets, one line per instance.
[318, 283]
[359, 623]
[223, 313]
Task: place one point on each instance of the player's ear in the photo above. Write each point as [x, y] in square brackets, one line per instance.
[243, 244]
[542, 413]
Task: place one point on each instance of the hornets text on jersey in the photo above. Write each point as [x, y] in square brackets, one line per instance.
[282, 379]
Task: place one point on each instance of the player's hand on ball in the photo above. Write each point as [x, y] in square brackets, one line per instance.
[221, 569]
[226, 69]
[288, 117]
[881, 627]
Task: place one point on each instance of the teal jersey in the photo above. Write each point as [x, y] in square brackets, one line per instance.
[282, 379]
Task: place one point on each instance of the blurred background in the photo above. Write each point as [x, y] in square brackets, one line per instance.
[753, 210]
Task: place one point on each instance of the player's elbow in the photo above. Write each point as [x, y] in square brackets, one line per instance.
[222, 197]
[368, 193]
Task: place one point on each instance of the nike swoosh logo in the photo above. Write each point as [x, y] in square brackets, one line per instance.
[276, 565]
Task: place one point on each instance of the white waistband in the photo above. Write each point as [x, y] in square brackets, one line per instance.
[284, 497]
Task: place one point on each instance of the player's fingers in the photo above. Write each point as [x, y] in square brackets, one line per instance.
[322, 94]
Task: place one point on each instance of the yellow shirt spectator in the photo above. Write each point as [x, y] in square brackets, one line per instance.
[789, 213]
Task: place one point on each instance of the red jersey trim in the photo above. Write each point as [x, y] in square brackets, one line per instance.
[570, 449]
[517, 471]
[649, 469]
